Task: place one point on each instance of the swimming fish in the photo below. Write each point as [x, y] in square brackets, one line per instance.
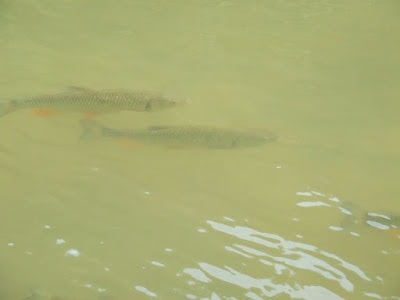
[181, 136]
[356, 215]
[91, 102]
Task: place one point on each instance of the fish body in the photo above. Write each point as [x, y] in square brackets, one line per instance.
[93, 101]
[181, 136]
[357, 216]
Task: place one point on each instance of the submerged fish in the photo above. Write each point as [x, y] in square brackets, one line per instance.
[181, 136]
[356, 215]
[91, 101]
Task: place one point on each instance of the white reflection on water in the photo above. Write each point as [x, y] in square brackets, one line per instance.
[334, 199]
[373, 295]
[345, 211]
[247, 282]
[354, 213]
[60, 241]
[197, 274]
[371, 214]
[312, 204]
[145, 291]
[286, 258]
[377, 225]
[237, 252]
[318, 194]
[158, 264]
[306, 194]
[335, 228]
[73, 252]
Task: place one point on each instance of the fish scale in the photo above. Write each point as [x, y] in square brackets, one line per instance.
[93, 101]
[181, 136]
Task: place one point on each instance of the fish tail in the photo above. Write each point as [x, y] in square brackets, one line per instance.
[91, 129]
[5, 108]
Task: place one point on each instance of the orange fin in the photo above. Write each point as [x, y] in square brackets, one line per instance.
[44, 112]
[89, 115]
[394, 234]
[129, 143]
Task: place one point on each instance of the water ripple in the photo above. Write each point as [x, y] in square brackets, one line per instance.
[289, 260]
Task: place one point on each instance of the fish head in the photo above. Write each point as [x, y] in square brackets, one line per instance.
[251, 140]
[160, 103]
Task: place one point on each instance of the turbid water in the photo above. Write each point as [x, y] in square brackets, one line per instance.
[303, 217]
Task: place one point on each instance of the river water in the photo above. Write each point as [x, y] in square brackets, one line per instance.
[313, 215]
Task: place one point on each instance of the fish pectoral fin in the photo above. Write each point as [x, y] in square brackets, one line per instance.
[91, 129]
[129, 143]
[44, 112]
[394, 233]
[72, 89]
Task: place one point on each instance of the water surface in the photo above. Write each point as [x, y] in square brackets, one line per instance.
[101, 220]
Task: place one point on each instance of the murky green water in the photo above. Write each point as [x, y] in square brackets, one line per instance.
[100, 220]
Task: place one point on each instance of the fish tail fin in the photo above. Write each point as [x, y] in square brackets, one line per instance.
[91, 129]
[5, 108]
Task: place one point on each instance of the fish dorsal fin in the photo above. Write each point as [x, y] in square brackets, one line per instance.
[158, 127]
[72, 89]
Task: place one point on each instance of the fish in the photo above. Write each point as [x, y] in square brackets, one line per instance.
[357, 215]
[186, 136]
[91, 101]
